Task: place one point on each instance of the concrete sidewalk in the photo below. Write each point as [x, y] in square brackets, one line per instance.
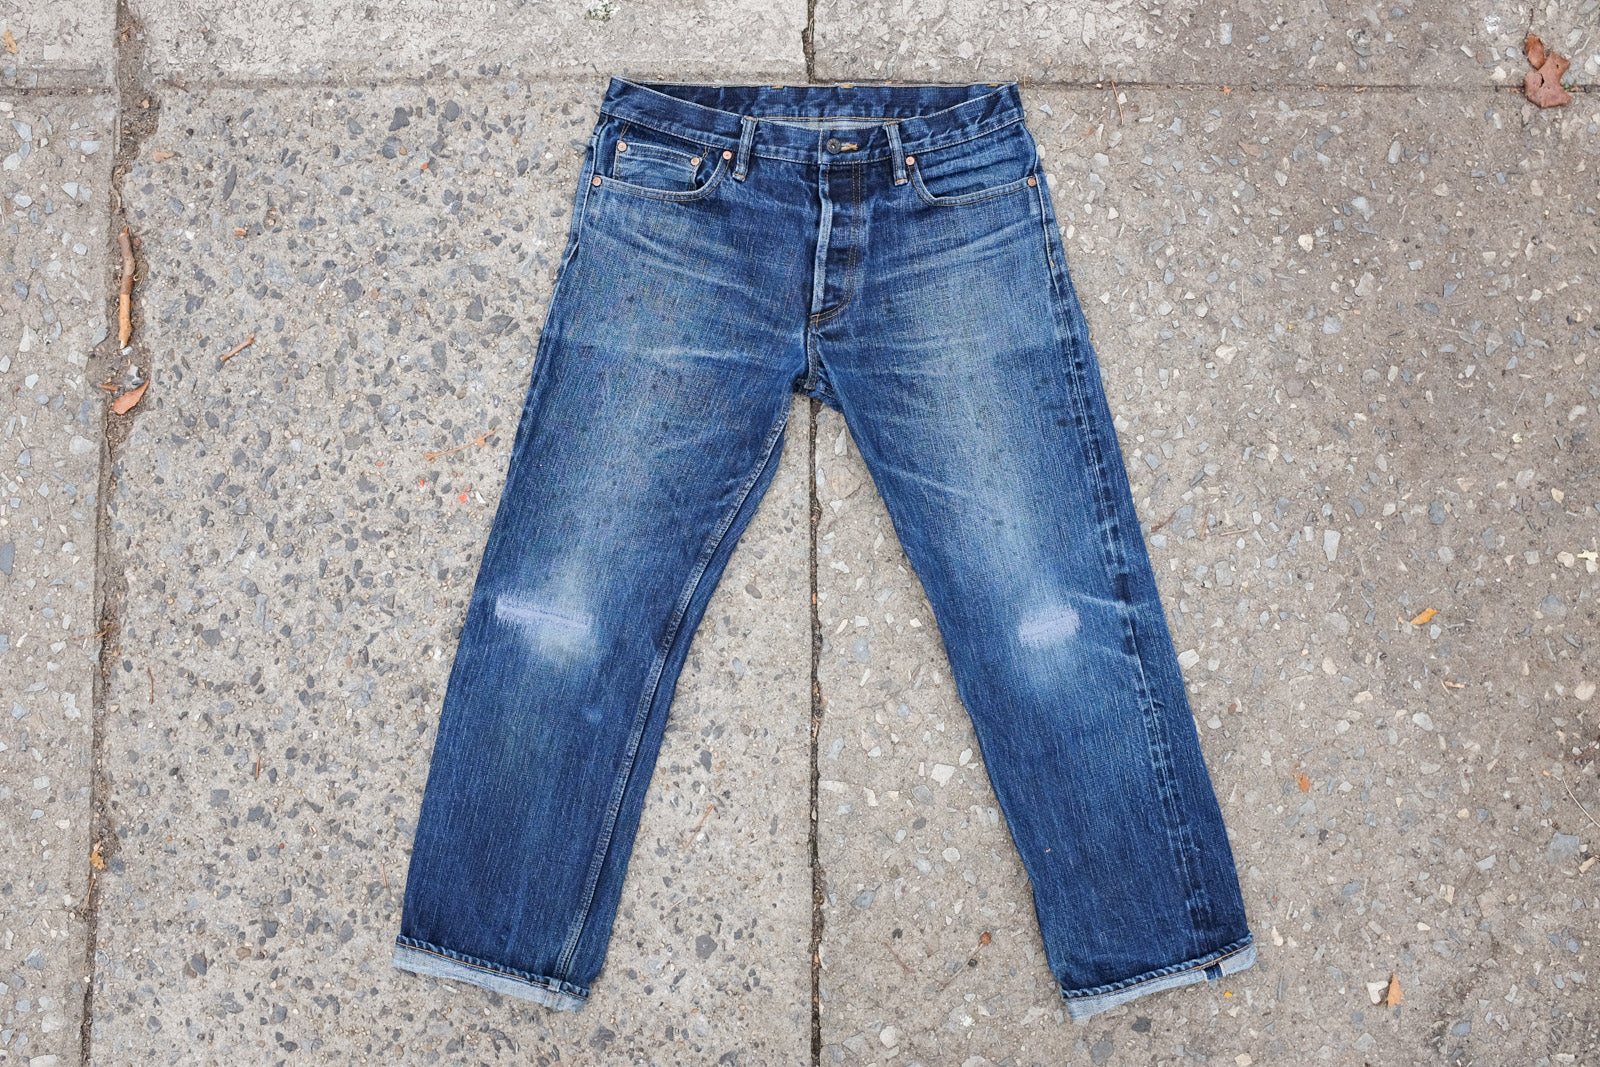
[1342, 283]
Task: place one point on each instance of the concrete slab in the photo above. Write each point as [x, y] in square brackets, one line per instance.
[60, 44]
[1349, 339]
[293, 42]
[297, 571]
[54, 195]
[1206, 41]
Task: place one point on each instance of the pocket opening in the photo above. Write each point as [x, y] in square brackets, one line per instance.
[647, 162]
[1005, 161]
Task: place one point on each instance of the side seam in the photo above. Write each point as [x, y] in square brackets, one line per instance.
[1179, 839]
[1082, 376]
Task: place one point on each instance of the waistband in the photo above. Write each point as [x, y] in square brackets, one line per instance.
[817, 123]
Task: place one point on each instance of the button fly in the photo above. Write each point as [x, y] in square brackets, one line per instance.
[833, 144]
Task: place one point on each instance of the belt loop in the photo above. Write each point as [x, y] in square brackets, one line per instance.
[741, 166]
[897, 155]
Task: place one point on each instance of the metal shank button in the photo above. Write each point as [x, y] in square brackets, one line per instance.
[833, 144]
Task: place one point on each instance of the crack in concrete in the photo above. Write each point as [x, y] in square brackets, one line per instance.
[137, 115]
[808, 43]
[808, 40]
[818, 876]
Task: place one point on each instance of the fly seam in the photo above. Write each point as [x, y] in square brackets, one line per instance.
[850, 264]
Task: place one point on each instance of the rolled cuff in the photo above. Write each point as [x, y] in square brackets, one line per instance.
[1082, 1004]
[421, 958]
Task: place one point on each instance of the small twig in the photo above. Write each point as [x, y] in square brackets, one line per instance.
[1578, 802]
[898, 960]
[1120, 120]
[972, 960]
[125, 294]
[696, 831]
[240, 347]
[152, 675]
[1094, 127]
[1168, 519]
[85, 637]
[481, 440]
[258, 766]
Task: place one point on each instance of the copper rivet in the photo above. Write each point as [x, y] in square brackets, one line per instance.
[911, 161]
[694, 161]
[1033, 181]
[595, 180]
[622, 146]
[726, 154]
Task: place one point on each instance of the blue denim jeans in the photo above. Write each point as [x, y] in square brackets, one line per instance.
[893, 252]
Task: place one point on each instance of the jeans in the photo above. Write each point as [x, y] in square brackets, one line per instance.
[893, 252]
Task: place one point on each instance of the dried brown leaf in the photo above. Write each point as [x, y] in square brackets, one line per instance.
[96, 860]
[11, 43]
[1533, 47]
[124, 403]
[1303, 782]
[1392, 998]
[1425, 617]
[1543, 86]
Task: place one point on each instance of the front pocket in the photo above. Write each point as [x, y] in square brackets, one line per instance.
[678, 195]
[654, 166]
[995, 164]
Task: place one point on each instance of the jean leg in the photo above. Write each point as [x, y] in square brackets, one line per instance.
[974, 396]
[652, 427]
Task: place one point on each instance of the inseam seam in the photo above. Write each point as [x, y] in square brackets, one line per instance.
[647, 699]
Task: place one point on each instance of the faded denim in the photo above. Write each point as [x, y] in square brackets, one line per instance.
[893, 252]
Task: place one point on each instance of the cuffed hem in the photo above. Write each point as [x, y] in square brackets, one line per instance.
[1081, 1004]
[422, 958]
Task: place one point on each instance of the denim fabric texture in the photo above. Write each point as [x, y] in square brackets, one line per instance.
[893, 252]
